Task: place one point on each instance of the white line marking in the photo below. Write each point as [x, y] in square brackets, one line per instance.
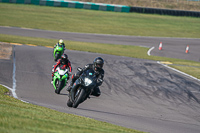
[13, 92]
[7, 87]
[14, 80]
[149, 51]
[178, 71]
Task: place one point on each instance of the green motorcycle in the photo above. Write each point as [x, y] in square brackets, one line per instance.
[60, 79]
[58, 51]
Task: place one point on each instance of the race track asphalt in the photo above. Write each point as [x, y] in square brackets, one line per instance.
[172, 47]
[136, 93]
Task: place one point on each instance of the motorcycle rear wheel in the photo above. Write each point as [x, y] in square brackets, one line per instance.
[57, 56]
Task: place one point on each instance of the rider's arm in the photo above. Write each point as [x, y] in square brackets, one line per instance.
[55, 45]
[57, 65]
[84, 69]
[88, 66]
[100, 78]
[69, 66]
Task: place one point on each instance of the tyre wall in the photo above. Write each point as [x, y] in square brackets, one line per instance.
[165, 11]
[105, 7]
[73, 4]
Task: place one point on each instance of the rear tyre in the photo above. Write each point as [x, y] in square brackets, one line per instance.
[57, 56]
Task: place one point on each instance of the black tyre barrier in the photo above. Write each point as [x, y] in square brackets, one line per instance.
[165, 11]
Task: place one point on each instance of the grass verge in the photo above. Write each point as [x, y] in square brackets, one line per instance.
[87, 21]
[19, 117]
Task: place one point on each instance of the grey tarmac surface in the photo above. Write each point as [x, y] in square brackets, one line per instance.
[172, 47]
[138, 94]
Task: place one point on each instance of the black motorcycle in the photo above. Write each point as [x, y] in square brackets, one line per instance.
[82, 88]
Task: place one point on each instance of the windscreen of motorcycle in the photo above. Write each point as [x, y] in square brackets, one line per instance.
[88, 73]
[88, 77]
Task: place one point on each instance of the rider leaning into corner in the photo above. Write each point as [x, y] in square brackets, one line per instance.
[63, 63]
[60, 43]
[97, 66]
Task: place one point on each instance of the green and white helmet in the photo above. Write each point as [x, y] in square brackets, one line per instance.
[61, 42]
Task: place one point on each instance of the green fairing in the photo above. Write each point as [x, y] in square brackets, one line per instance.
[61, 79]
[59, 50]
[64, 77]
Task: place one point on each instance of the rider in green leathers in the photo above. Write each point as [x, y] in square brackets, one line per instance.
[58, 49]
[60, 43]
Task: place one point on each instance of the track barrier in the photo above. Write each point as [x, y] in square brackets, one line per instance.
[73, 4]
[105, 7]
[165, 11]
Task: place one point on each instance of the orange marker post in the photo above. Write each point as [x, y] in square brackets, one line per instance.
[187, 49]
[160, 46]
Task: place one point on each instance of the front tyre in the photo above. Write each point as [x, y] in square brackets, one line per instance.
[59, 86]
[69, 103]
[79, 98]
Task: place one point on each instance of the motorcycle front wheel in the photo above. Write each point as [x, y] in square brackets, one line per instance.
[79, 98]
[59, 86]
[69, 103]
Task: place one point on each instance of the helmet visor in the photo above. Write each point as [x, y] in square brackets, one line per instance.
[98, 66]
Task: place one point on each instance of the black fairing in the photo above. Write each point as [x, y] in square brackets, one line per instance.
[81, 84]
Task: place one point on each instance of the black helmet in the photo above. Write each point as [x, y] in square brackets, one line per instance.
[98, 63]
[64, 59]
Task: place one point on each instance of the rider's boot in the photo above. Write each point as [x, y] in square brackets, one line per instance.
[52, 79]
[70, 86]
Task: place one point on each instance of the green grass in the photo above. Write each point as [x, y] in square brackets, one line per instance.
[90, 21]
[191, 70]
[19, 117]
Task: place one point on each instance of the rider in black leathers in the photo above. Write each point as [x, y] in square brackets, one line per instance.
[97, 66]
